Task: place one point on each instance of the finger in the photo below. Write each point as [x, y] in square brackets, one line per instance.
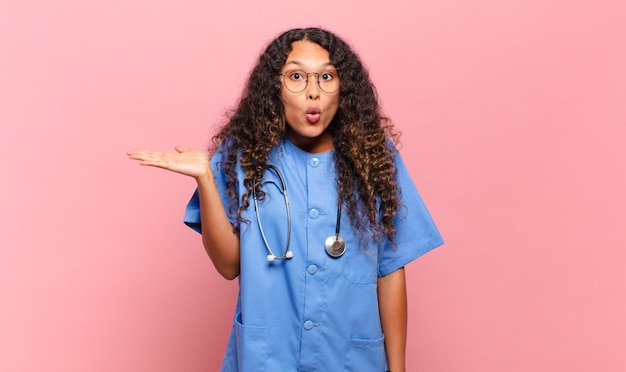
[141, 154]
[136, 154]
[160, 160]
[132, 153]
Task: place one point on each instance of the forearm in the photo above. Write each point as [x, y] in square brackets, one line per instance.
[220, 242]
[392, 303]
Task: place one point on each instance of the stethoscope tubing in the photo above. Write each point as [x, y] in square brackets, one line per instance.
[272, 256]
[335, 245]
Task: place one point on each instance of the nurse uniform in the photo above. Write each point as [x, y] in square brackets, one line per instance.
[312, 312]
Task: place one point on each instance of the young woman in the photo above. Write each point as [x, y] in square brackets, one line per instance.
[304, 198]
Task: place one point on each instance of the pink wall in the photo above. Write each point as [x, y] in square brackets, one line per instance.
[514, 127]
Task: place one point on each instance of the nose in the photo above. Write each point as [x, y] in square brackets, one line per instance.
[313, 87]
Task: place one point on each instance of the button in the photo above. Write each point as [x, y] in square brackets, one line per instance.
[314, 162]
[308, 325]
[314, 213]
[312, 269]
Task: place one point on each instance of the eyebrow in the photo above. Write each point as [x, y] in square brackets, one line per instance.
[298, 63]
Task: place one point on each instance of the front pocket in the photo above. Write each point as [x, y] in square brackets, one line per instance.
[252, 349]
[366, 355]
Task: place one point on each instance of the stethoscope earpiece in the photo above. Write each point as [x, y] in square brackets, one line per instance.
[271, 257]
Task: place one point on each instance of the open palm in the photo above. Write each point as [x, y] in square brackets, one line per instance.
[187, 161]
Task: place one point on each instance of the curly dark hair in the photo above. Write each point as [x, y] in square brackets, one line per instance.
[362, 137]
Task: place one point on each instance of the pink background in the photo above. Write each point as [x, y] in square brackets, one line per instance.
[514, 126]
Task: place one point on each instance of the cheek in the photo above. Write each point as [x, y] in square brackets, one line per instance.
[287, 103]
[288, 108]
[288, 99]
[334, 103]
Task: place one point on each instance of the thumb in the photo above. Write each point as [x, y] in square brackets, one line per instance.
[181, 148]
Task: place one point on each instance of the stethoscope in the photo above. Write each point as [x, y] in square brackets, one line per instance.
[335, 245]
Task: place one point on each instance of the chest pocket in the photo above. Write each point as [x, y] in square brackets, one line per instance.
[360, 266]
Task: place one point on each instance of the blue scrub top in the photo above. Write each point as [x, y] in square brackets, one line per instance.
[312, 312]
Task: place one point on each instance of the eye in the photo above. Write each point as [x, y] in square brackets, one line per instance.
[296, 75]
[327, 76]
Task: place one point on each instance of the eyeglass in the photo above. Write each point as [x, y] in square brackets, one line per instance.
[297, 80]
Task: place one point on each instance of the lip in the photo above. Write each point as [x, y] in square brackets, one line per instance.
[313, 115]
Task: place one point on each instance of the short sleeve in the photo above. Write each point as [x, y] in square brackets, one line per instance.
[416, 233]
[192, 211]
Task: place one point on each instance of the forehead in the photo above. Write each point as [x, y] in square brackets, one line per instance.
[307, 54]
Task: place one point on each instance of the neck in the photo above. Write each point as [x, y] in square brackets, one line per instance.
[316, 145]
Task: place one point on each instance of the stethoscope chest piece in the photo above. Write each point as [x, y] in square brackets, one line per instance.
[335, 246]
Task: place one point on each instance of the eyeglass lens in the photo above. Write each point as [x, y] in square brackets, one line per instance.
[297, 80]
